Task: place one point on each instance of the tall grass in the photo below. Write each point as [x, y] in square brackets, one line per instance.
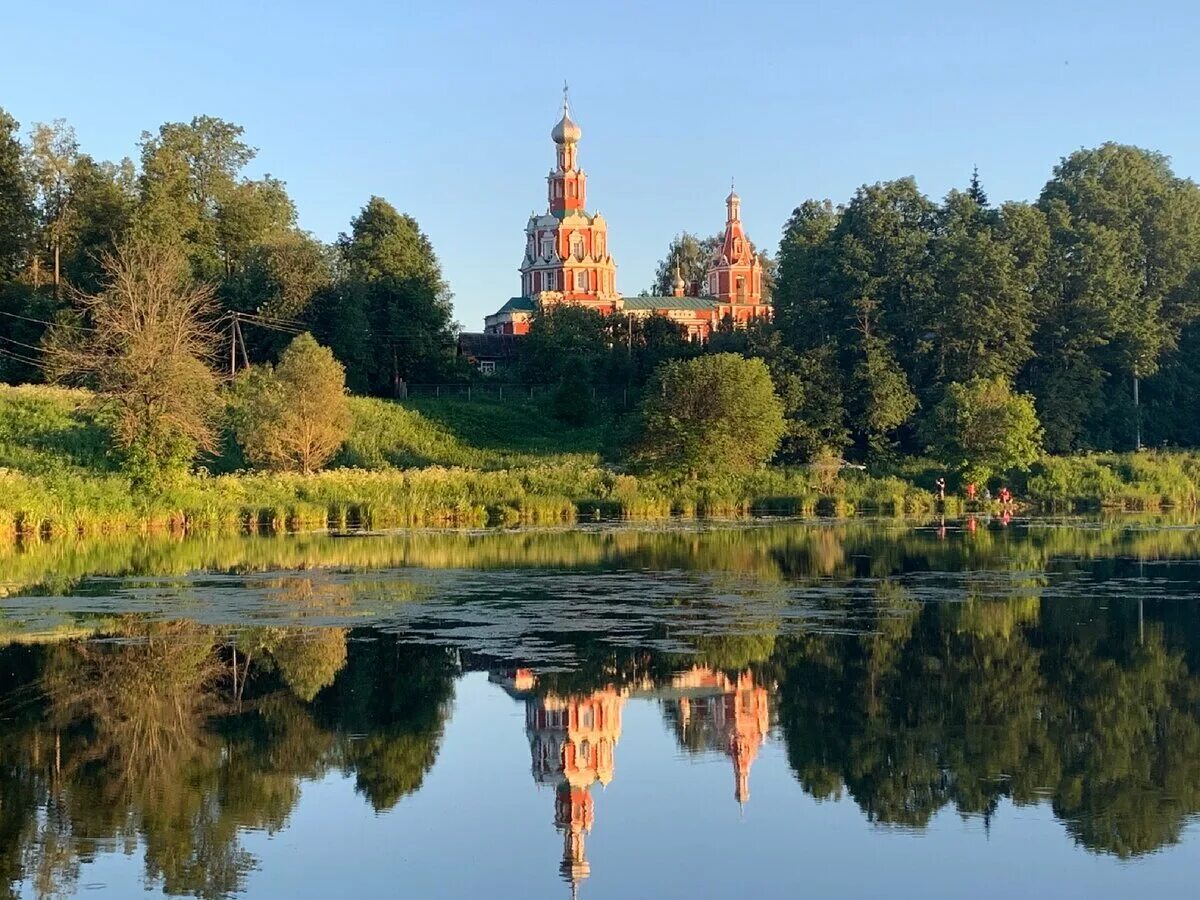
[1130, 481]
[473, 464]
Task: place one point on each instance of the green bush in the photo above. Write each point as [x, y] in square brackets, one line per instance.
[983, 428]
[713, 414]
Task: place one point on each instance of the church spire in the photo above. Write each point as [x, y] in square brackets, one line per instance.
[567, 183]
[735, 273]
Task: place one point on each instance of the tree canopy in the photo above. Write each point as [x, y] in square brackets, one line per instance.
[144, 342]
[713, 414]
[295, 416]
[983, 428]
[389, 316]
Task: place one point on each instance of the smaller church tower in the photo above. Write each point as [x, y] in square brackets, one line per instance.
[735, 272]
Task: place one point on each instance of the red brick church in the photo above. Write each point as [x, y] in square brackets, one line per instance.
[567, 260]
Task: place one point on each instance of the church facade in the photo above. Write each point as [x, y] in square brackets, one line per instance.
[567, 260]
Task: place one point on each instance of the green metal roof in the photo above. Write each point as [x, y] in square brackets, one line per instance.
[631, 304]
[518, 304]
[694, 304]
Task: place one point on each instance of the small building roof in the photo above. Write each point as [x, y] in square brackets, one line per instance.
[477, 345]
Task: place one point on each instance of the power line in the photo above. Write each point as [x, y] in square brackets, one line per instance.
[263, 322]
[23, 359]
[21, 344]
[282, 320]
[44, 322]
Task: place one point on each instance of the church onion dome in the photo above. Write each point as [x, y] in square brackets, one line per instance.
[566, 131]
[732, 196]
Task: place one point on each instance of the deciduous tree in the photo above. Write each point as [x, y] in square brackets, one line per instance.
[983, 428]
[712, 414]
[295, 416]
[689, 255]
[53, 157]
[16, 201]
[144, 342]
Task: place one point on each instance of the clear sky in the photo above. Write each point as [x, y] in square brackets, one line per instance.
[445, 108]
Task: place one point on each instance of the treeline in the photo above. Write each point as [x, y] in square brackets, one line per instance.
[903, 324]
[184, 740]
[376, 297]
[984, 333]
[1083, 299]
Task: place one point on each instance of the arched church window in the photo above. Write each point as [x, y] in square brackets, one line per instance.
[598, 241]
[577, 245]
[547, 247]
[581, 281]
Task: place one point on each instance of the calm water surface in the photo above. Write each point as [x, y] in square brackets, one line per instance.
[767, 710]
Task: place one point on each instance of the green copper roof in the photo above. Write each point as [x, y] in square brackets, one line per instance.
[694, 304]
[632, 304]
[518, 304]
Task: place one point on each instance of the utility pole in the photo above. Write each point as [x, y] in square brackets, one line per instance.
[241, 340]
[1137, 413]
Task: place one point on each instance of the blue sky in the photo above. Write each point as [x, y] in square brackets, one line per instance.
[445, 108]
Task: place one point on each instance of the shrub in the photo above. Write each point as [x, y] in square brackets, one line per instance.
[573, 400]
[712, 414]
[295, 417]
[983, 428]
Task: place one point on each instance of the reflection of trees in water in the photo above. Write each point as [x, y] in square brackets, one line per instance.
[141, 738]
[154, 739]
[390, 704]
[990, 699]
[789, 552]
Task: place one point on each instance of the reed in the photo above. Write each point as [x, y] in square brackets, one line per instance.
[478, 464]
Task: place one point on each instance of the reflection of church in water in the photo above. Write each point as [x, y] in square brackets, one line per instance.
[573, 739]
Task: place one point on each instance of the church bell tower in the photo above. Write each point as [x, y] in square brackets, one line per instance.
[566, 248]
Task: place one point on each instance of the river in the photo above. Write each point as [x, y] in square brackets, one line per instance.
[760, 709]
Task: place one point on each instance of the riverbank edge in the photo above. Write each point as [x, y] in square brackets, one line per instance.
[341, 499]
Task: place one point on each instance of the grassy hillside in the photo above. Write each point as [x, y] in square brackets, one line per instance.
[46, 429]
[452, 462]
[477, 434]
[428, 462]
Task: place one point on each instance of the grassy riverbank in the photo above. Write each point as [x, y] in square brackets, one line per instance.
[449, 463]
[474, 464]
